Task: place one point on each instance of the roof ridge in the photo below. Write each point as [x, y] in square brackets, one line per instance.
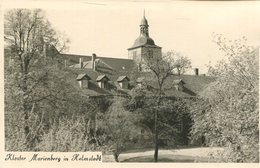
[75, 54]
[96, 57]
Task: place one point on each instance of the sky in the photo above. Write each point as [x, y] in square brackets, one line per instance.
[108, 28]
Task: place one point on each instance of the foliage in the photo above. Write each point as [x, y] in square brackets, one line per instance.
[118, 127]
[227, 112]
[67, 135]
[171, 112]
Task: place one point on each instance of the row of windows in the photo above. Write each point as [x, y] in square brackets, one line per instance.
[103, 83]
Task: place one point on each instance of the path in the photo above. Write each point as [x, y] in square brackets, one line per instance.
[168, 153]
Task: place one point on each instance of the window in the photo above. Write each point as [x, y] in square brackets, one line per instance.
[125, 84]
[103, 84]
[134, 55]
[102, 81]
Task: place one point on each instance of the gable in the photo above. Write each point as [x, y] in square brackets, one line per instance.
[102, 78]
[83, 76]
[122, 78]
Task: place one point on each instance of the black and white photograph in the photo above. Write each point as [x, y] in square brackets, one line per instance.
[138, 81]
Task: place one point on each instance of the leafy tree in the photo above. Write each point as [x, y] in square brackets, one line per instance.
[227, 112]
[172, 112]
[118, 127]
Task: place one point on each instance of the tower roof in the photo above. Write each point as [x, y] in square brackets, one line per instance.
[143, 40]
[144, 22]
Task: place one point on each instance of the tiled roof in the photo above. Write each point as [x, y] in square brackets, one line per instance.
[85, 65]
[117, 64]
[143, 40]
[192, 84]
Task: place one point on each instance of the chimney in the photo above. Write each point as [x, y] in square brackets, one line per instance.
[93, 63]
[196, 70]
[80, 63]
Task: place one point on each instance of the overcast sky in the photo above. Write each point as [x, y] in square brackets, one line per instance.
[109, 28]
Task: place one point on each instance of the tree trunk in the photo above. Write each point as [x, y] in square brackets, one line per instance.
[116, 155]
[26, 110]
[156, 148]
[27, 130]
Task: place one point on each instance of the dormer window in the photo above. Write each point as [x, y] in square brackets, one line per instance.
[123, 81]
[83, 80]
[179, 84]
[102, 81]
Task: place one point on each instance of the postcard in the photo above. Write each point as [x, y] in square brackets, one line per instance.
[130, 83]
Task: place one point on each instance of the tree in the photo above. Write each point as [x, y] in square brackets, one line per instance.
[150, 96]
[170, 114]
[118, 127]
[161, 68]
[227, 112]
[181, 63]
[32, 75]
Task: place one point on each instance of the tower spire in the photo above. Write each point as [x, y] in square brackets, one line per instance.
[144, 26]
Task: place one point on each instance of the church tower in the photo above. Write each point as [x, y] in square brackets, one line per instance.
[143, 44]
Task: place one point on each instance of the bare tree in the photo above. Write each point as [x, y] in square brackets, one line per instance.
[28, 35]
[161, 67]
[182, 63]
